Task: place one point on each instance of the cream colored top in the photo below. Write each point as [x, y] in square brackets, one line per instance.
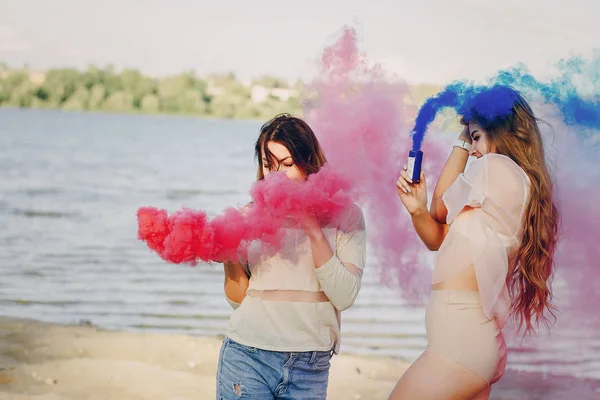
[290, 320]
[488, 236]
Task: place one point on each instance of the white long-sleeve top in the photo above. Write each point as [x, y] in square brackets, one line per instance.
[284, 322]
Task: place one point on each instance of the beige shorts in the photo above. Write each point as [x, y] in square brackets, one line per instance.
[458, 329]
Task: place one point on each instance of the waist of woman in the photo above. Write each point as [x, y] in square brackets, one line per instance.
[465, 280]
[296, 296]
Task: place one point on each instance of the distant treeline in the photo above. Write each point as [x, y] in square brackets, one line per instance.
[104, 89]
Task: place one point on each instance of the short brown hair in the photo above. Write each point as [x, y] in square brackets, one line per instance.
[297, 136]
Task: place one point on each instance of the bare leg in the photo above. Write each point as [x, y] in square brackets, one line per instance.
[435, 377]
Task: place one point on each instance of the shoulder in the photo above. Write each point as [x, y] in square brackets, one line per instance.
[504, 163]
[494, 167]
[356, 215]
[505, 182]
[351, 219]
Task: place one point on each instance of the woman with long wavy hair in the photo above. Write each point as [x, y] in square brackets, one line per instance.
[494, 227]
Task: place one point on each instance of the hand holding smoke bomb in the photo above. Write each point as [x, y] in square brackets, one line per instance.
[413, 194]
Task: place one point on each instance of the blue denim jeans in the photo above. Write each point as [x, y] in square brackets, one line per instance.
[250, 373]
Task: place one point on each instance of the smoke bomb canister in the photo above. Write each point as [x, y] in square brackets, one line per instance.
[414, 165]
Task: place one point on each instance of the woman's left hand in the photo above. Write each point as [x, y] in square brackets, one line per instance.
[311, 227]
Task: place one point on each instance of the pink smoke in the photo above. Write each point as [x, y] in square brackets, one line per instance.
[362, 122]
[188, 235]
[577, 260]
[576, 286]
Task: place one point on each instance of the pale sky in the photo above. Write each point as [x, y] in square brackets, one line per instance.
[422, 40]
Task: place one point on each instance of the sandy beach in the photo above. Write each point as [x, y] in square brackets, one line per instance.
[42, 361]
[51, 362]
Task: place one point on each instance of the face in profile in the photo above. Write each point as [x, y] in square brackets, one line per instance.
[481, 144]
[281, 161]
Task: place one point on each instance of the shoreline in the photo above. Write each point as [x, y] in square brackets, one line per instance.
[138, 113]
[47, 361]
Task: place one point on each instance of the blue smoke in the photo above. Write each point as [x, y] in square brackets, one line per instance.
[562, 91]
[486, 104]
[449, 97]
[497, 99]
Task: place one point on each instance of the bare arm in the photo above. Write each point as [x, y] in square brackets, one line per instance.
[321, 250]
[236, 281]
[430, 231]
[454, 166]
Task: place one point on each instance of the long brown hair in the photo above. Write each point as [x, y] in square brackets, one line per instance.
[517, 136]
[297, 136]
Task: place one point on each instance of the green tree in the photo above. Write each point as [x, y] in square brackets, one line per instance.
[111, 81]
[182, 93]
[119, 101]
[60, 84]
[248, 111]
[9, 84]
[222, 107]
[97, 96]
[22, 95]
[271, 82]
[92, 76]
[138, 85]
[150, 103]
[78, 101]
[222, 80]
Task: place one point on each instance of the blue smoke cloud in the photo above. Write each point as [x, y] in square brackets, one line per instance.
[496, 99]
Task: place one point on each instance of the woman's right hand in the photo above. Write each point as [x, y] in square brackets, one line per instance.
[413, 195]
[466, 135]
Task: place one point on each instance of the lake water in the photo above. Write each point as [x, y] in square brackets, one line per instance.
[70, 185]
